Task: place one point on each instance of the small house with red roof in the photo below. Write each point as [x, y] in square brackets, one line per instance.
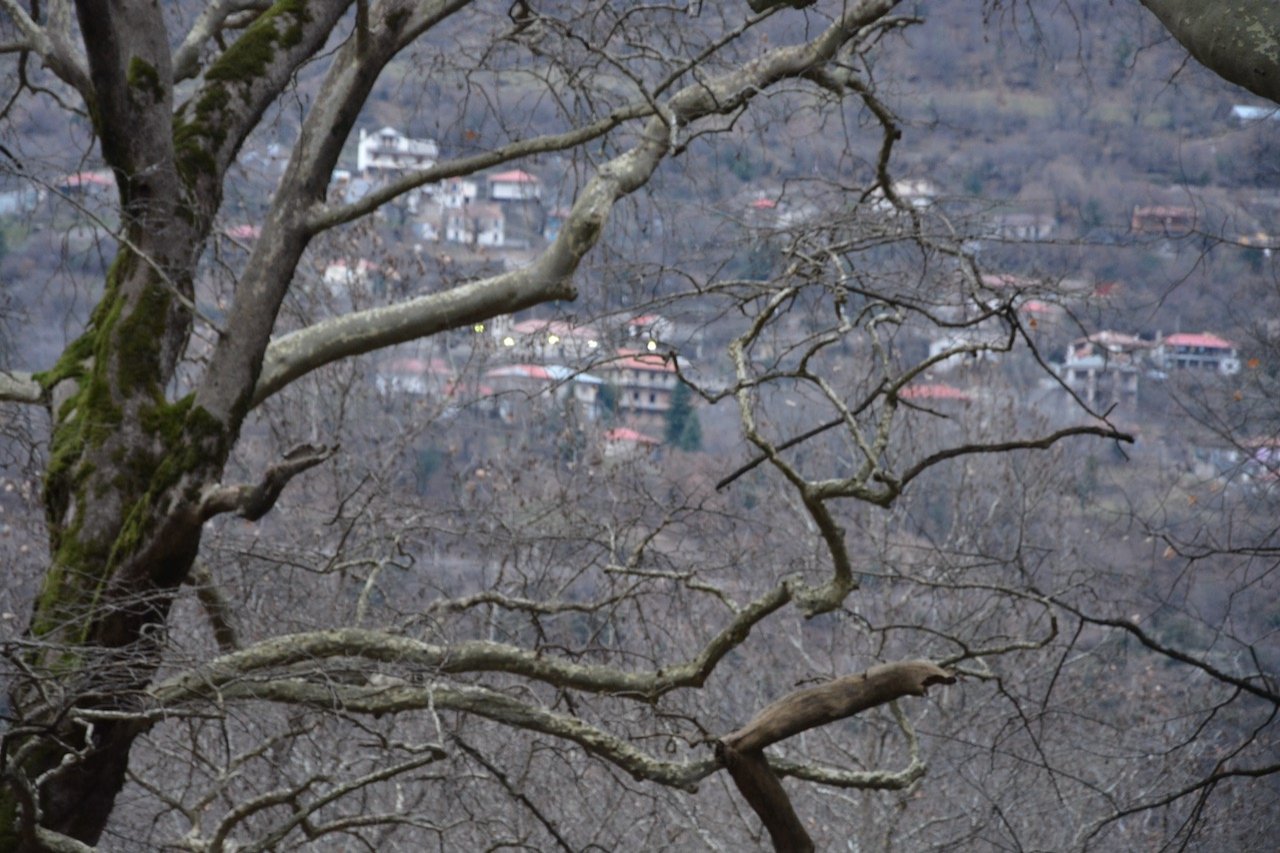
[625, 442]
[935, 392]
[1202, 351]
[514, 185]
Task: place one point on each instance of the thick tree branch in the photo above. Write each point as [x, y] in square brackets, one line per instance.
[763, 791]
[742, 751]
[210, 22]
[842, 697]
[482, 702]
[1239, 41]
[216, 608]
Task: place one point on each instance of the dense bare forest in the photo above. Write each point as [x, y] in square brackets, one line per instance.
[635, 426]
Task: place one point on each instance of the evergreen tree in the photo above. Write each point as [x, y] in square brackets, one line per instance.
[684, 431]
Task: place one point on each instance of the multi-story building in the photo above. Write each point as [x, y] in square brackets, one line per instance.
[1105, 368]
[644, 383]
[1198, 351]
[388, 150]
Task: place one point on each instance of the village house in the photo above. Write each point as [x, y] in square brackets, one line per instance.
[1105, 368]
[414, 376]
[649, 327]
[455, 192]
[513, 383]
[644, 383]
[1163, 220]
[388, 151]
[342, 276]
[625, 443]
[1197, 351]
[88, 183]
[514, 185]
[917, 192]
[1021, 226]
[935, 392]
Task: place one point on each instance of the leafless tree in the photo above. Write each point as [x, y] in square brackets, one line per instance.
[568, 645]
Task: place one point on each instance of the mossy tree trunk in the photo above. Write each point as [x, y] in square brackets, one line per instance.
[129, 465]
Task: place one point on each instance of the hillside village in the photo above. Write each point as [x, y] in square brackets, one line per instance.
[620, 373]
[1081, 261]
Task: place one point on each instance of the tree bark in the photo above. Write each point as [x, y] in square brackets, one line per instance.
[742, 751]
[1239, 40]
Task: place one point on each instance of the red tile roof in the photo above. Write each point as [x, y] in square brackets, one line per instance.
[1203, 339]
[624, 434]
[935, 391]
[515, 176]
[652, 362]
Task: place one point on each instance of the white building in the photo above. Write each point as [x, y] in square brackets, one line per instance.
[455, 192]
[478, 224]
[515, 185]
[389, 150]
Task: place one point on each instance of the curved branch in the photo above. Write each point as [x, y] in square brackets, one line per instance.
[742, 751]
[482, 702]
[1264, 691]
[253, 502]
[479, 656]
[836, 699]
[1239, 42]
[1043, 443]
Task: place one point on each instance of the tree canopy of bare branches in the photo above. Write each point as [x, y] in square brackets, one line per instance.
[248, 633]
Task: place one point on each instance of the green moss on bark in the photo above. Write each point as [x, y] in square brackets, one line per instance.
[143, 77]
[252, 53]
[115, 364]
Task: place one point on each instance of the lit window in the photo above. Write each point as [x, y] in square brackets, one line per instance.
[508, 341]
[478, 328]
[553, 339]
